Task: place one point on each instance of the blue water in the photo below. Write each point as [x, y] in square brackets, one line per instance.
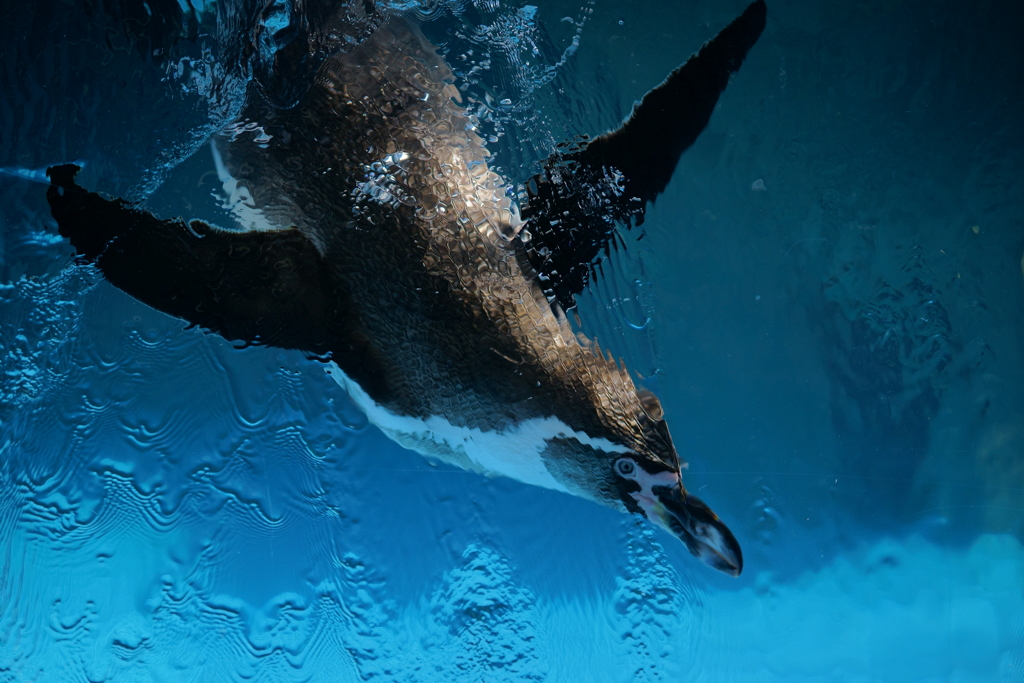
[829, 298]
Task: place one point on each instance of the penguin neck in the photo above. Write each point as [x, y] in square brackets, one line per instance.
[517, 451]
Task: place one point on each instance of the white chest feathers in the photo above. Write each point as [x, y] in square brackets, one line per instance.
[516, 452]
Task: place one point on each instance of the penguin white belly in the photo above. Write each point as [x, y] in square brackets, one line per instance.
[515, 453]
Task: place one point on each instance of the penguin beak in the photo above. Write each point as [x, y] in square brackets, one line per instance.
[705, 536]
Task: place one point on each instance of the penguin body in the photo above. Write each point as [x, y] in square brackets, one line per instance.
[377, 238]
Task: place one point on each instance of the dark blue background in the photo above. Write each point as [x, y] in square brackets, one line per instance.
[840, 355]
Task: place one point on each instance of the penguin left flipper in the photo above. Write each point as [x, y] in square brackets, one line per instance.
[265, 287]
[575, 203]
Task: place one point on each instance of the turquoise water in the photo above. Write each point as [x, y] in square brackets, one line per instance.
[828, 298]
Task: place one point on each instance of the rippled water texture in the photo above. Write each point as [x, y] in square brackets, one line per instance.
[829, 298]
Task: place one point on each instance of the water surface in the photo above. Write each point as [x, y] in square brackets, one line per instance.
[829, 298]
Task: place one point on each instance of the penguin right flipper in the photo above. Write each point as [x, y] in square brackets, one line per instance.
[575, 203]
[259, 287]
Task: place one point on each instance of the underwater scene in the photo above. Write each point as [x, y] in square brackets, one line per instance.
[340, 340]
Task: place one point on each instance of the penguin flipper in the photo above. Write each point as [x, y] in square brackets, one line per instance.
[575, 203]
[265, 287]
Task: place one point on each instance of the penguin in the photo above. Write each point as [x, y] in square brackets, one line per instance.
[376, 238]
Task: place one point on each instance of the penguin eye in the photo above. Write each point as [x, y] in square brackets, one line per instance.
[626, 468]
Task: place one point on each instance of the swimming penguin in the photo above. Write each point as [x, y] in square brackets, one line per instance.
[379, 241]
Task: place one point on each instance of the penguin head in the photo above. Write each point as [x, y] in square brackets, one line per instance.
[648, 482]
[658, 494]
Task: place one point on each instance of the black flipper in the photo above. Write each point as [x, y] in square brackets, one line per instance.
[269, 288]
[575, 203]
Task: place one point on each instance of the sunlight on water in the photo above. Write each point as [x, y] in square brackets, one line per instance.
[827, 299]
